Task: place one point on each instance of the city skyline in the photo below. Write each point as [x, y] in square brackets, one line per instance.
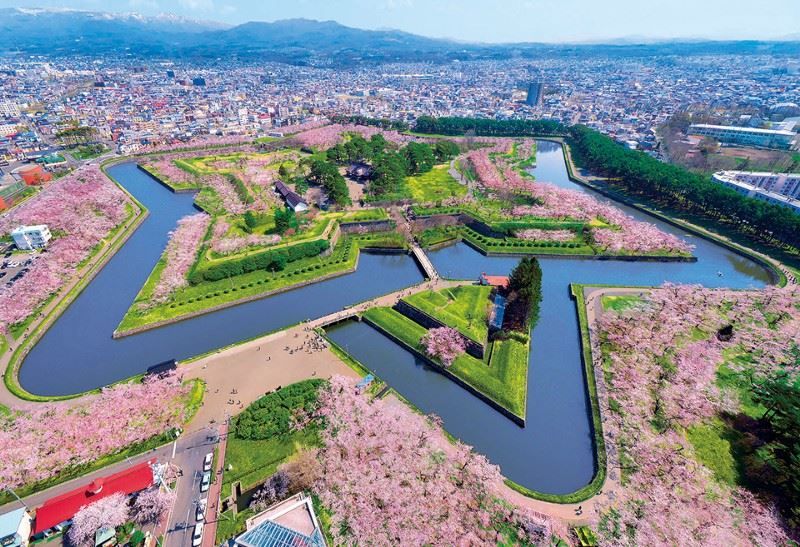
[572, 21]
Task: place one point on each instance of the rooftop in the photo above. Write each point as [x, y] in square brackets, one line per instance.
[64, 507]
[290, 523]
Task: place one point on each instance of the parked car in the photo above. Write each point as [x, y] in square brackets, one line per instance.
[200, 512]
[205, 482]
[197, 536]
[207, 461]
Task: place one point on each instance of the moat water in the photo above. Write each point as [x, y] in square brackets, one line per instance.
[554, 453]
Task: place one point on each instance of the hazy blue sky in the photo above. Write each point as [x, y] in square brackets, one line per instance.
[496, 21]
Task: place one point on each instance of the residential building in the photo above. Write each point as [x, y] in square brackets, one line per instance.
[15, 528]
[748, 136]
[289, 522]
[779, 188]
[28, 238]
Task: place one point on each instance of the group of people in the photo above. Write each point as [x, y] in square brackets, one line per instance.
[311, 342]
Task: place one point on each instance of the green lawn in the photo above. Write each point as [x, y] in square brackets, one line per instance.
[207, 294]
[464, 308]
[712, 447]
[505, 382]
[253, 461]
[88, 152]
[619, 303]
[435, 185]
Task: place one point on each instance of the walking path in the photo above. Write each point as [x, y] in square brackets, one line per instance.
[425, 262]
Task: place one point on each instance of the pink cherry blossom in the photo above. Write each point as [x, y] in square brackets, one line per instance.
[80, 210]
[108, 512]
[180, 255]
[46, 439]
[444, 343]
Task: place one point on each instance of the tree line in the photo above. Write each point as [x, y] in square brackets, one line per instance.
[524, 295]
[390, 167]
[681, 190]
[489, 127]
[272, 260]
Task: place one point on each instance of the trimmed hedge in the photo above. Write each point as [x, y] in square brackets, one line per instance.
[273, 414]
[275, 259]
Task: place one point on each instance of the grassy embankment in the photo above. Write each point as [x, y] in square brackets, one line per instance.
[501, 376]
[211, 294]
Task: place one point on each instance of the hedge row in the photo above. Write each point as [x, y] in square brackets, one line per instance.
[241, 189]
[274, 414]
[275, 260]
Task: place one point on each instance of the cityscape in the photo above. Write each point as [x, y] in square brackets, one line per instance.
[271, 279]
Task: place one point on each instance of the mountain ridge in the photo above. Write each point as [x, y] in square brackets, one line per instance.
[300, 41]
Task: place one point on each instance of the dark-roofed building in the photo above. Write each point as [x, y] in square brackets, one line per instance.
[292, 198]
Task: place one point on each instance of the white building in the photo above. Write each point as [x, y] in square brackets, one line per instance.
[28, 238]
[15, 528]
[9, 109]
[749, 136]
[779, 188]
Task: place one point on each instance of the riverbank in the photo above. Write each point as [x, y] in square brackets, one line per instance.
[776, 268]
[12, 391]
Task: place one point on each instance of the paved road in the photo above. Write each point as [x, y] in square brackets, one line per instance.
[191, 450]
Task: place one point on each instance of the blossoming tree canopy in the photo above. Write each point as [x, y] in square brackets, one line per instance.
[51, 438]
[390, 477]
[105, 513]
[444, 343]
[80, 210]
[180, 254]
[663, 360]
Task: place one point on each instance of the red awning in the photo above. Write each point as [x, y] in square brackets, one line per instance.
[64, 507]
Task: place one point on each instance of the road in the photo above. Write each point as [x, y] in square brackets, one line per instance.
[192, 448]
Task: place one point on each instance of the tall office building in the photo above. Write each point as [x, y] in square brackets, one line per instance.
[535, 94]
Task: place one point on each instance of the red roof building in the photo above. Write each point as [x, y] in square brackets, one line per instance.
[57, 510]
[499, 281]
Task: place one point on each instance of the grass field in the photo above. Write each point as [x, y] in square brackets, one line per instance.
[464, 308]
[253, 461]
[208, 294]
[620, 302]
[435, 185]
[505, 382]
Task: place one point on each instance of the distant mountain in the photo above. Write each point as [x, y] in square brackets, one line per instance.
[298, 41]
[72, 31]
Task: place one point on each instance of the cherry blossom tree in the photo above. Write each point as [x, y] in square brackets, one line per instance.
[390, 477]
[50, 438]
[444, 343]
[108, 512]
[660, 362]
[180, 255]
[80, 210]
[151, 505]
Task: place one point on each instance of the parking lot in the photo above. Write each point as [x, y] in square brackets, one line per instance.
[14, 265]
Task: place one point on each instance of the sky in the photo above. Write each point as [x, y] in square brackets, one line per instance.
[494, 20]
